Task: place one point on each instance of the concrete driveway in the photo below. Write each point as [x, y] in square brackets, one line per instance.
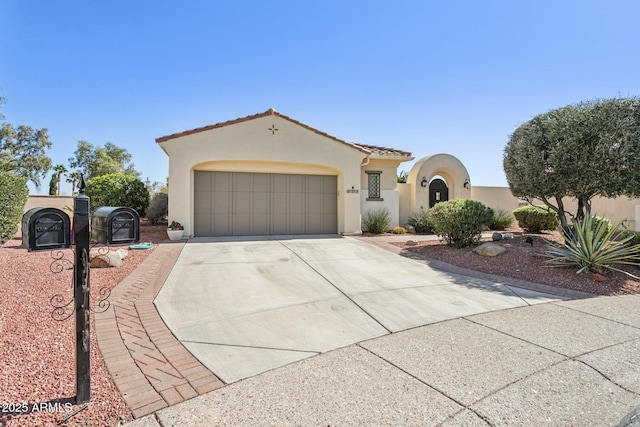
[243, 307]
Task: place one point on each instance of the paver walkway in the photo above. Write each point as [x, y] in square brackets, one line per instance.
[150, 368]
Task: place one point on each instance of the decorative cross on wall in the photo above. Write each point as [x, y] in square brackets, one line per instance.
[273, 129]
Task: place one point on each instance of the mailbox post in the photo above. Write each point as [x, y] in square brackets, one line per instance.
[81, 294]
[49, 229]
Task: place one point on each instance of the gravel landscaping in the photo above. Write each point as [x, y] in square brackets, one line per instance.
[525, 261]
[37, 354]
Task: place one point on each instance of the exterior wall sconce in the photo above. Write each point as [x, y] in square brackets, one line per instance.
[466, 184]
[424, 182]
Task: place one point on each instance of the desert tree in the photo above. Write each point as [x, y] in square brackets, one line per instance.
[578, 151]
[94, 161]
[23, 151]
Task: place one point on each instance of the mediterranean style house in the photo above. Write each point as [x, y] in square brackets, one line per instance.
[268, 174]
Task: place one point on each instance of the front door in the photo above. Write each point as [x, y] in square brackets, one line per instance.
[438, 192]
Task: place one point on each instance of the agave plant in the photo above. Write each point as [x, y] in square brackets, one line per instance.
[595, 246]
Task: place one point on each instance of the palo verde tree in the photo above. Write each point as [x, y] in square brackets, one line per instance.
[578, 151]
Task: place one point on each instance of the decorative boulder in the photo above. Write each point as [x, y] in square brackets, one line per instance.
[496, 236]
[410, 229]
[412, 242]
[508, 235]
[490, 249]
[104, 260]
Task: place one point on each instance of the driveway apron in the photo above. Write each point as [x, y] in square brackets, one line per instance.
[243, 307]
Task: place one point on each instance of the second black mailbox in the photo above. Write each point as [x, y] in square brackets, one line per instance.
[115, 225]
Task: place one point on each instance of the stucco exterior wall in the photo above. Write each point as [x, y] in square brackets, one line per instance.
[390, 201]
[404, 194]
[389, 192]
[449, 168]
[251, 147]
[60, 202]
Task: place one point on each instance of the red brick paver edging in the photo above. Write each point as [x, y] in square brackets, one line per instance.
[149, 366]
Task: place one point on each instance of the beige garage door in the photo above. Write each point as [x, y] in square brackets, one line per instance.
[236, 204]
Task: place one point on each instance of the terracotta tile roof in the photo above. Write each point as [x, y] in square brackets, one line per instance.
[369, 149]
[384, 150]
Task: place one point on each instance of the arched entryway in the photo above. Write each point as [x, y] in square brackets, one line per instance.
[440, 172]
[438, 192]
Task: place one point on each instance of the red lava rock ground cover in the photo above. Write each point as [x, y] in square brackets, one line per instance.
[525, 262]
[37, 353]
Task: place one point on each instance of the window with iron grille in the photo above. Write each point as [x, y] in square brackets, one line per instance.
[373, 183]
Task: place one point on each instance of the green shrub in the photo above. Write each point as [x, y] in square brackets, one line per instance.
[460, 222]
[118, 190]
[501, 220]
[377, 221]
[420, 221]
[13, 197]
[158, 208]
[594, 245]
[534, 219]
[633, 236]
[605, 221]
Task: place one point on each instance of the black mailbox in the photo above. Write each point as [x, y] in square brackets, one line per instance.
[115, 226]
[45, 229]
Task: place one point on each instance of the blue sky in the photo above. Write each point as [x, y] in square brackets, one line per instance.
[428, 77]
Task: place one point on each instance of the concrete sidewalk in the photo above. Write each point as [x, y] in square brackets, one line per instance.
[558, 363]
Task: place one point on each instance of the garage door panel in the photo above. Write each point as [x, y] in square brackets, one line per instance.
[279, 183]
[202, 181]
[260, 224]
[314, 184]
[296, 203]
[279, 224]
[202, 224]
[261, 182]
[243, 182]
[242, 224]
[261, 203]
[279, 203]
[314, 202]
[296, 224]
[329, 203]
[296, 183]
[329, 222]
[240, 203]
[314, 223]
[330, 185]
[221, 225]
[202, 202]
[221, 181]
[221, 203]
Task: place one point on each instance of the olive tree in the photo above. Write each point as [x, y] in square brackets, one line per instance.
[578, 151]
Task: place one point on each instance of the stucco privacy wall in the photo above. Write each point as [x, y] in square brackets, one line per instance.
[269, 144]
[618, 209]
[64, 203]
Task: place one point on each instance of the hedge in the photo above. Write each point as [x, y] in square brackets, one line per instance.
[13, 198]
